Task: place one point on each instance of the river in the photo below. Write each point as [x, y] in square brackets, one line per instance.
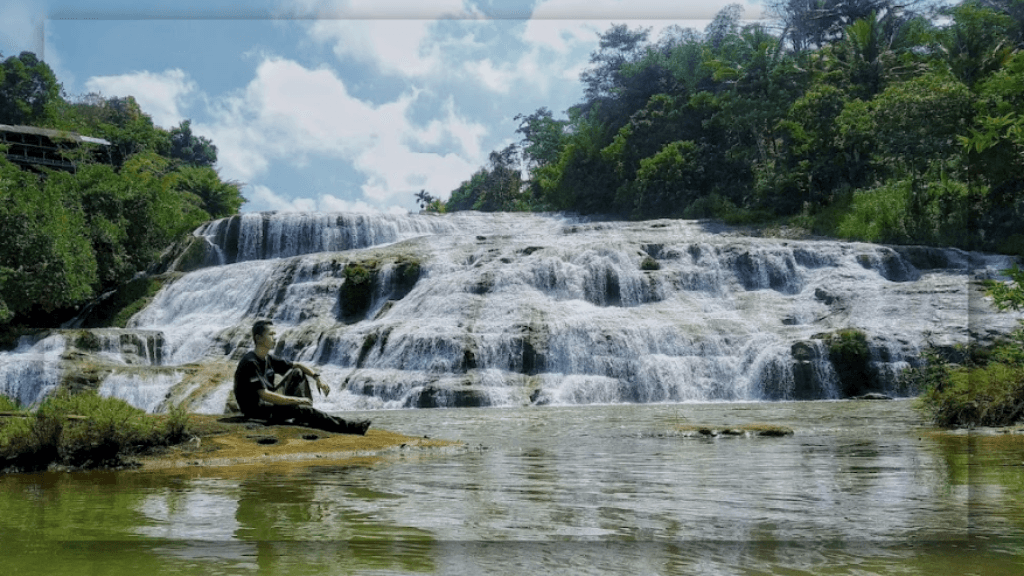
[860, 488]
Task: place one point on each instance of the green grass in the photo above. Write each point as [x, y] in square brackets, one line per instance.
[83, 431]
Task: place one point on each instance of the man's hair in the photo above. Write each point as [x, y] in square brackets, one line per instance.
[260, 328]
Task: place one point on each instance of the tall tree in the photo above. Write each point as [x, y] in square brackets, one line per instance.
[543, 137]
[617, 46]
[27, 88]
[191, 149]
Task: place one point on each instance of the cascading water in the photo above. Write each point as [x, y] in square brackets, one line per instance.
[477, 309]
[31, 371]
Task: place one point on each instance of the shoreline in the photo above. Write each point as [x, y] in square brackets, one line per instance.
[227, 444]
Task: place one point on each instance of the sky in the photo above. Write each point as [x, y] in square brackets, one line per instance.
[344, 105]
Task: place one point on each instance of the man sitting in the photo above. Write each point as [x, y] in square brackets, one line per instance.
[258, 397]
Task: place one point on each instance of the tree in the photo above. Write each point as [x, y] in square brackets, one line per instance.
[28, 88]
[503, 181]
[977, 41]
[46, 262]
[424, 199]
[813, 24]
[217, 197]
[669, 181]
[191, 149]
[725, 24]
[543, 137]
[616, 47]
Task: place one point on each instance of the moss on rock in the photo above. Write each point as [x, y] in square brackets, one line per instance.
[848, 350]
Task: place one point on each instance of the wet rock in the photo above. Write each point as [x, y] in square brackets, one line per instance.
[871, 396]
[806, 383]
[437, 397]
[826, 297]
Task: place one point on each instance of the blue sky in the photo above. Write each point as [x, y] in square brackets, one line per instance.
[348, 105]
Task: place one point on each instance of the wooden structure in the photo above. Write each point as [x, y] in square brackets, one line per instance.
[32, 147]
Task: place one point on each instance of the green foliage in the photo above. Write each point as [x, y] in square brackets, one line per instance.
[357, 291]
[46, 261]
[849, 354]
[649, 264]
[988, 390]
[866, 120]
[957, 396]
[72, 235]
[938, 211]
[28, 90]
[84, 430]
[8, 404]
[193, 150]
[218, 198]
[132, 298]
[1008, 296]
[543, 137]
[668, 181]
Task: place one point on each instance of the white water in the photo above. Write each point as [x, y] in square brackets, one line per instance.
[32, 370]
[513, 309]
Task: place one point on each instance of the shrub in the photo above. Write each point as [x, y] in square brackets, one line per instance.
[988, 390]
[990, 395]
[84, 430]
[649, 264]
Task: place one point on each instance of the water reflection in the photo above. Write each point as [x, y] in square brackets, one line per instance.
[858, 490]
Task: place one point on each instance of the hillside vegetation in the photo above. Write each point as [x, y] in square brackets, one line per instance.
[72, 236]
[875, 120]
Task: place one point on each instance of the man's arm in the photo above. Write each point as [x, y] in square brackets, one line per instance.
[282, 400]
[324, 388]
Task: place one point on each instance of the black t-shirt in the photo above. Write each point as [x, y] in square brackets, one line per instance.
[253, 375]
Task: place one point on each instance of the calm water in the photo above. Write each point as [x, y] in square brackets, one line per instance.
[861, 488]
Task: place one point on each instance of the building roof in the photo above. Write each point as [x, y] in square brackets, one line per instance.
[53, 134]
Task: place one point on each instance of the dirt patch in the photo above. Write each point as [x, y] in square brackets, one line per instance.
[231, 443]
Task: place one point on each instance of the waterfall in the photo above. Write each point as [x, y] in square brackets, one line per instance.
[477, 309]
[32, 369]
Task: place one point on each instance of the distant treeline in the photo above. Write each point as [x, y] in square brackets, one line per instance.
[880, 120]
[69, 236]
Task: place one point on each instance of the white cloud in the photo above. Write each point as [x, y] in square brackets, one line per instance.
[161, 95]
[263, 198]
[396, 46]
[394, 35]
[289, 113]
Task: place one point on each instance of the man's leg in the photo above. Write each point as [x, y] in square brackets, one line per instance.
[294, 383]
[313, 418]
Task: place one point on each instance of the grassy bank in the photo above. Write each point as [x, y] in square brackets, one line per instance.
[82, 431]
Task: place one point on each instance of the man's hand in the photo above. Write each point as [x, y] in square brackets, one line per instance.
[324, 388]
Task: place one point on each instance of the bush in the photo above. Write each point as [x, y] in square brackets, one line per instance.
[991, 395]
[84, 431]
[988, 390]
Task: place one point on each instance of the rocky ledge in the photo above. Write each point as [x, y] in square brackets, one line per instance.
[225, 443]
